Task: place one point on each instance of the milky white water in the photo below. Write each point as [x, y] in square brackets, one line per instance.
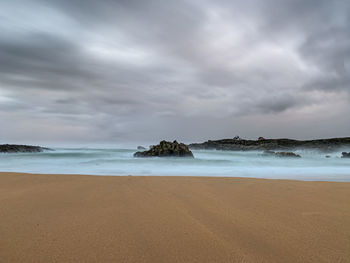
[312, 165]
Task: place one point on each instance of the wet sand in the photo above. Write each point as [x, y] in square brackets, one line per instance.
[79, 218]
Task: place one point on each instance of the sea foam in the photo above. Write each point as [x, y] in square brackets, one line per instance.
[312, 165]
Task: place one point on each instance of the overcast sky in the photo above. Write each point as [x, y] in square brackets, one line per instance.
[108, 71]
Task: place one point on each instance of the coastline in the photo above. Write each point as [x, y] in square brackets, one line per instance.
[71, 218]
[311, 180]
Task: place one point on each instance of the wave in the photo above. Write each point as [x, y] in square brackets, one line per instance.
[312, 165]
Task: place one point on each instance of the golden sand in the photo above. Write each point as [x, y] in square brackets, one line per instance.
[78, 218]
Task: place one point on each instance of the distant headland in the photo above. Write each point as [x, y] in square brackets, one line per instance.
[16, 148]
[238, 144]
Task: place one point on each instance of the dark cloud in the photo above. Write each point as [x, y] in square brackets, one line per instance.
[329, 51]
[42, 61]
[145, 70]
[276, 105]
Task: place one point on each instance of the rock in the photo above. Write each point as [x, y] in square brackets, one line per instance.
[287, 154]
[14, 148]
[261, 138]
[280, 154]
[328, 156]
[141, 148]
[345, 155]
[166, 149]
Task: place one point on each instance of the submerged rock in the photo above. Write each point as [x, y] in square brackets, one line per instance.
[14, 148]
[280, 154]
[141, 148]
[166, 149]
[345, 155]
[287, 154]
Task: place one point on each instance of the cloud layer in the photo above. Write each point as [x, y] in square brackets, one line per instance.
[140, 71]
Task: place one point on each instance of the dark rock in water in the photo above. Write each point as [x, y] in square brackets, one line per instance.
[328, 156]
[261, 138]
[141, 148]
[14, 148]
[287, 154]
[325, 145]
[166, 149]
[345, 155]
[280, 154]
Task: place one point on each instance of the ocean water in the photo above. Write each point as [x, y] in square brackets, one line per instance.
[312, 165]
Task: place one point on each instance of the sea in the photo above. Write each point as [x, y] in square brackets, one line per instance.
[313, 166]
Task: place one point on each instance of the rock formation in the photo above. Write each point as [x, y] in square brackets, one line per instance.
[14, 148]
[166, 149]
[345, 155]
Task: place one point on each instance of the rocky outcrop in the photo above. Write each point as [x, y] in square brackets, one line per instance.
[166, 149]
[140, 148]
[345, 155]
[14, 148]
[281, 154]
[326, 145]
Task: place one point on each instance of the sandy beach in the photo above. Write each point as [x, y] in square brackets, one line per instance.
[80, 218]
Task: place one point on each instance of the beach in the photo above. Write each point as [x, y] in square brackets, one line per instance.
[83, 218]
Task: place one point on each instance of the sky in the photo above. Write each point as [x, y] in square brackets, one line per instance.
[122, 71]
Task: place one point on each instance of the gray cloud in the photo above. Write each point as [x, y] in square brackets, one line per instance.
[146, 70]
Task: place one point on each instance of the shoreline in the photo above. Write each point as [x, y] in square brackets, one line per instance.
[175, 176]
[87, 218]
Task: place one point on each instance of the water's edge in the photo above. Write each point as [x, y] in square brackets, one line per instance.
[313, 166]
